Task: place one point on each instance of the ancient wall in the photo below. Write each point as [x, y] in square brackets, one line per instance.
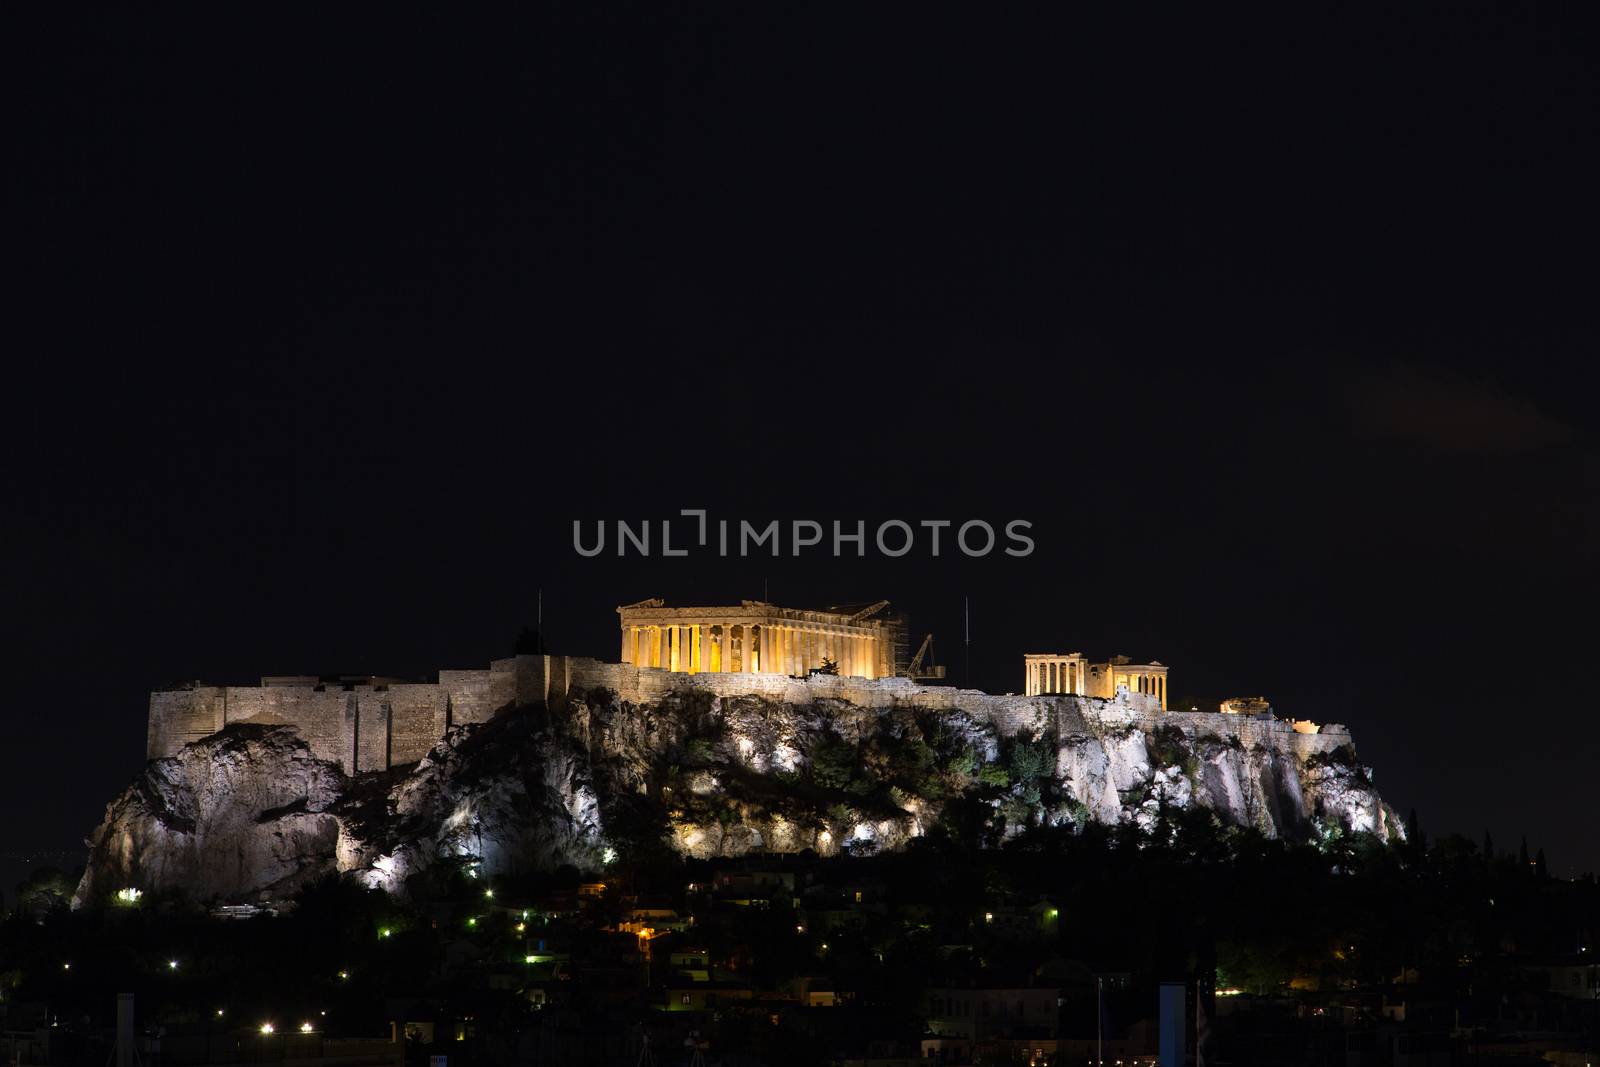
[373, 727]
[180, 716]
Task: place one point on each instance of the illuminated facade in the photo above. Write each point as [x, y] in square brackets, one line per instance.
[1056, 672]
[755, 637]
[1072, 673]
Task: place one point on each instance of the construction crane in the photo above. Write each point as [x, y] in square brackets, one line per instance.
[869, 611]
[921, 666]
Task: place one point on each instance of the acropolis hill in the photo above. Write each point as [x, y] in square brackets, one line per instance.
[252, 789]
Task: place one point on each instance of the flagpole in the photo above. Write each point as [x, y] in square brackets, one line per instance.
[1099, 1021]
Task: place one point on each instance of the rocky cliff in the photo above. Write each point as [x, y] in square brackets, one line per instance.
[249, 814]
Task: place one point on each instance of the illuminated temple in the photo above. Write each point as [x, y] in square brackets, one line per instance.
[1071, 672]
[754, 636]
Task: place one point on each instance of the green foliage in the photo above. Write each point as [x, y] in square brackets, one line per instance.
[993, 774]
[833, 763]
[1031, 760]
[1167, 747]
[46, 889]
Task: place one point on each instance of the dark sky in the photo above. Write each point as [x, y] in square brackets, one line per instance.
[1277, 326]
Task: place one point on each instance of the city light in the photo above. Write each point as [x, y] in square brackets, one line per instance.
[306, 1028]
[172, 965]
[385, 932]
[266, 1028]
[128, 896]
[66, 966]
[488, 894]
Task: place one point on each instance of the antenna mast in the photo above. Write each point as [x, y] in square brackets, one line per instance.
[966, 612]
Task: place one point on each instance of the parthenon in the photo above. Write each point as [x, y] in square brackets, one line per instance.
[754, 636]
[1071, 672]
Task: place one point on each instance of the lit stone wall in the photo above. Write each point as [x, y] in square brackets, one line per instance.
[360, 727]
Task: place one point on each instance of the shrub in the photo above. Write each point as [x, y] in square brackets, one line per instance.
[994, 774]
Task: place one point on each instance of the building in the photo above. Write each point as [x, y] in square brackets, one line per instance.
[754, 637]
[979, 1014]
[1072, 673]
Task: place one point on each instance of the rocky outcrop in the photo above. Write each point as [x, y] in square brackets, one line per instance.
[249, 813]
[246, 813]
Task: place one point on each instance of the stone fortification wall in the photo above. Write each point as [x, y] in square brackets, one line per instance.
[373, 727]
[360, 727]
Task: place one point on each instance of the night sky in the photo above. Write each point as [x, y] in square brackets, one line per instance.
[1277, 326]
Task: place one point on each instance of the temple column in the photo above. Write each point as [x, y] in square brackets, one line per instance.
[673, 644]
[769, 649]
[726, 641]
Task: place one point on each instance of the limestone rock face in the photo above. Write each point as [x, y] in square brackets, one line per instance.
[242, 814]
[248, 813]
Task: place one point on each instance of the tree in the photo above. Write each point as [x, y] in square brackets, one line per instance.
[45, 890]
[1540, 870]
[833, 762]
